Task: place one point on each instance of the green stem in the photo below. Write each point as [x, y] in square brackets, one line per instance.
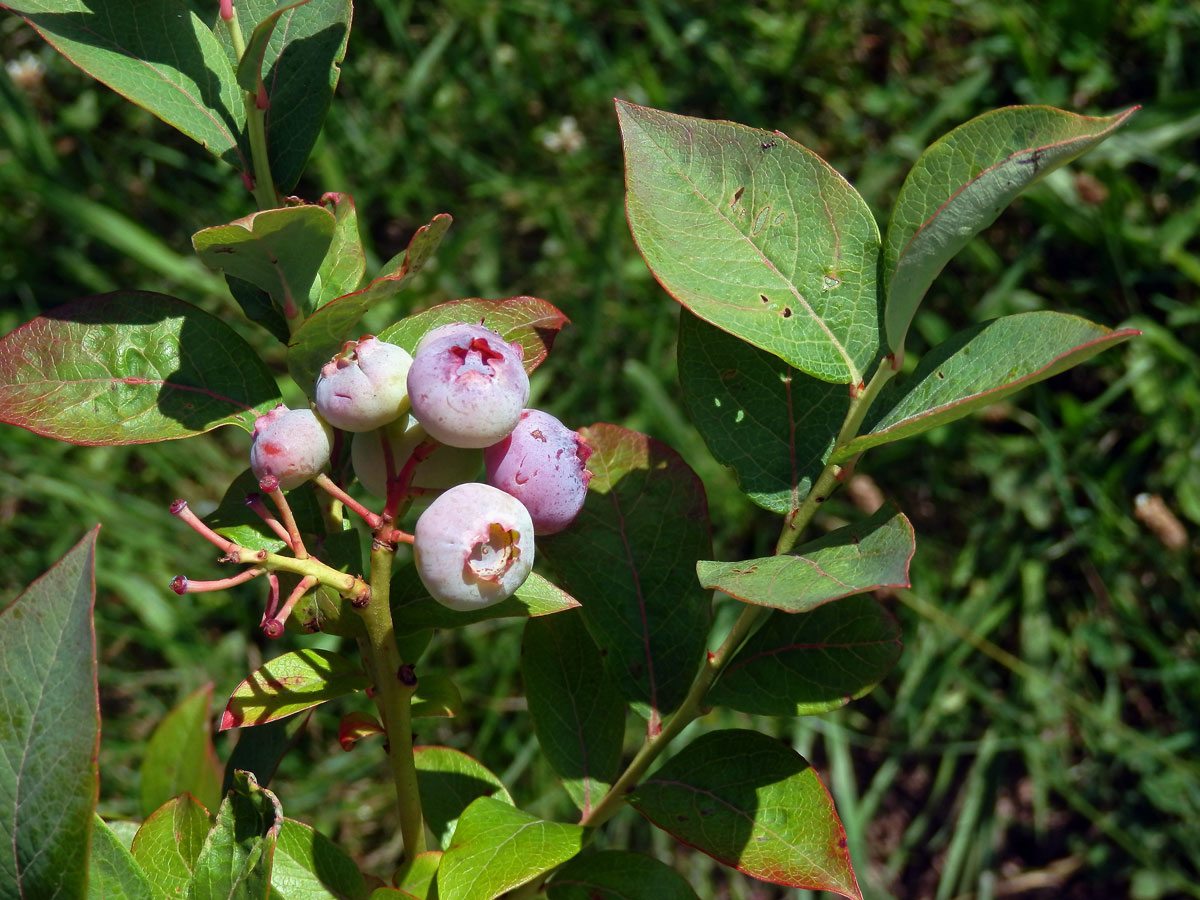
[256, 126]
[394, 689]
[862, 402]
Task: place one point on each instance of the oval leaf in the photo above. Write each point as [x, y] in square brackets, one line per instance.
[276, 250]
[979, 366]
[771, 423]
[289, 684]
[113, 874]
[164, 58]
[414, 610]
[169, 842]
[416, 876]
[870, 554]
[129, 368]
[180, 756]
[322, 334]
[801, 665]
[309, 866]
[528, 321]
[436, 695]
[235, 862]
[753, 803]
[497, 847]
[449, 781]
[961, 184]
[628, 558]
[51, 733]
[616, 875]
[578, 713]
[345, 263]
[757, 235]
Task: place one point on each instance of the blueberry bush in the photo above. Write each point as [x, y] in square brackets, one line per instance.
[792, 364]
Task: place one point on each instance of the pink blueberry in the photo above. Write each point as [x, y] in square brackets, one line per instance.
[291, 444]
[365, 386]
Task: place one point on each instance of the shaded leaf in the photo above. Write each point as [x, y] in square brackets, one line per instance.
[617, 875]
[961, 184]
[164, 59]
[276, 250]
[250, 66]
[168, 844]
[801, 665]
[436, 695]
[235, 862]
[417, 876]
[49, 729]
[866, 555]
[449, 781]
[414, 610]
[757, 235]
[753, 803]
[979, 366]
[309, 866]
[497, 847]
[771, 423]
[528, 321]
[291, 683]
[629, 559]
[578, 713]
[322, 334]
[130, 367]
[113, 874]
[259, 307]
[259, 750]
[180, 756]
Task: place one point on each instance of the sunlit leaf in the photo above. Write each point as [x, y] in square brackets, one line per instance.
[289, 684]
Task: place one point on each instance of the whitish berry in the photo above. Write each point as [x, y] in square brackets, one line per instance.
[467, 385]
[445, 467]
[541, 463]
[291, 444]
[473, 546]
[365, 386]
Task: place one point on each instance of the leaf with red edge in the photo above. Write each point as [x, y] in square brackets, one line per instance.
[51, 729]
[751, 802]
[813, 662]
[291, 683]
[130, 367]
[355, 726]
[322, 334]
[527, 321]
[629, 559]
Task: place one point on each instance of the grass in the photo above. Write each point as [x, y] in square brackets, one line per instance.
[1039, 734]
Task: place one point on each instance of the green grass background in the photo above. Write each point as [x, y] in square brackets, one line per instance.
[1039, 737]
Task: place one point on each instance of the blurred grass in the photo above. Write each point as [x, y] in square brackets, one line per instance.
[1039, 736]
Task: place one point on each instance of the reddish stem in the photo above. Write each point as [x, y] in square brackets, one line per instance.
[326, 483]
[183, 511]
[254, 501]
[270, 486]
[181, 584]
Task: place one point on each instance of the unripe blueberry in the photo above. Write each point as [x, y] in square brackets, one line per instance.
[541, 463]
[445, 467]
[365, 386]
[291, 444]
[467, 385]
[473, 546]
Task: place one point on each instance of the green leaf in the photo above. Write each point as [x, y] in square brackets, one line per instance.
[235, 862]
[249, 70]
[414, 610]
[617, 875]
[497, 847]
[113, 874]
[387, 893]
[977, 367]
[866, 555]
[528, 321]
[771, 423]
[168, 844]
[961, 184]
[259, 308]
[276, 250]
[757, 235]
[417, 876]
[345, 262]
[449, 781]
[49, 729]
[164, 58]
[436, 695]
[753, 803]
[300, 67]
[180, 756]
[309, 866]
[629, 559]
[260, 750]
[322, 334]
[578, 713]
[291, 683]
[130, 367]
[801, 665]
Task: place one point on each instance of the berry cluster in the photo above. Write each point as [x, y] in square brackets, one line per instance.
[422, 424]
